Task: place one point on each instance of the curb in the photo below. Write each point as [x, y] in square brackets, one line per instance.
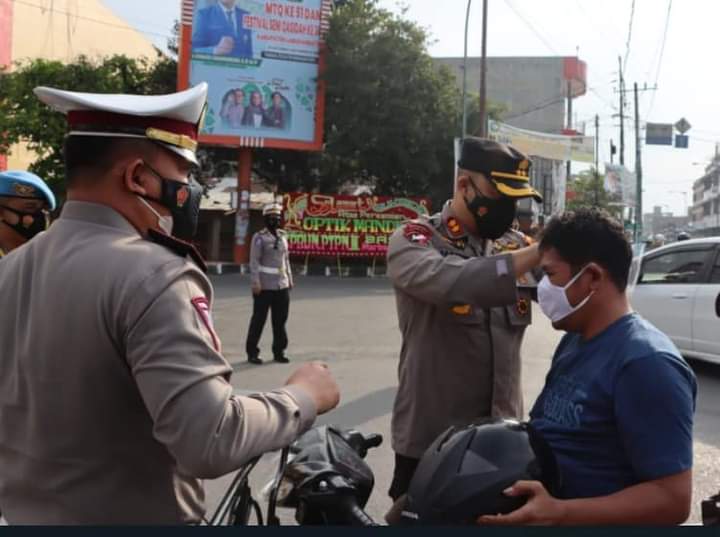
[222, 269]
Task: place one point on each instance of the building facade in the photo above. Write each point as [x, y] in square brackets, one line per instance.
[665, 223]
[61, 30]
[705, 210]
[532, 90]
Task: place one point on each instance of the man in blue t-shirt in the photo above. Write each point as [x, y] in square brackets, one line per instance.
[617, 406]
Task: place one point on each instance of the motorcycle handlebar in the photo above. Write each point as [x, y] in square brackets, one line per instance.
[354, 515]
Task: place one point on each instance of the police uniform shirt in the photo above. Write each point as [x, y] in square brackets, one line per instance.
[462, 319]
[114, 395]
[270, 261]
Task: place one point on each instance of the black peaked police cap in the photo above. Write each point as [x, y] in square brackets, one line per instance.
[506, 167]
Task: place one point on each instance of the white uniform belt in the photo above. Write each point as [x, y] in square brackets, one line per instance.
[270, 270]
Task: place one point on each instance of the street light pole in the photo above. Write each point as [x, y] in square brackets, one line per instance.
[483, 75]
[465, 56]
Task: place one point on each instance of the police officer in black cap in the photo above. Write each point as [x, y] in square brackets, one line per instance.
[463, 293]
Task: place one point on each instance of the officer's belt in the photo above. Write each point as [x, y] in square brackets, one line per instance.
[270, 270]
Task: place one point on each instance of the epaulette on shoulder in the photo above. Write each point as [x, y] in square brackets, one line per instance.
[177, 246]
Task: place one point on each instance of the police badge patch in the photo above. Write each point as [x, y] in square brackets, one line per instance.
[417, 234]
[24, 191]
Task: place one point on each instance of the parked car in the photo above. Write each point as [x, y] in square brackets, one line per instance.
[677, 288]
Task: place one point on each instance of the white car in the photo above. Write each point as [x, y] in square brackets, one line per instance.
[677, 288]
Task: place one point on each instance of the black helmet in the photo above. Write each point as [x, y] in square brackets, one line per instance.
[465, 471]
[683, 236]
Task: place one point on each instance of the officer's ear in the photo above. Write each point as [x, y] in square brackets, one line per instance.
[136, 178]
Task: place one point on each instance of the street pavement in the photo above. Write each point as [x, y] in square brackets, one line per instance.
[351, 324]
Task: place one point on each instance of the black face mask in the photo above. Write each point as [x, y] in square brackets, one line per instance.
[272, 223]
[183, 202]
[498, 218]
[28, 231]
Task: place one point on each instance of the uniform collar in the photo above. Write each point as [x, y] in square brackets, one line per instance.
[451, 224]
[97, 214]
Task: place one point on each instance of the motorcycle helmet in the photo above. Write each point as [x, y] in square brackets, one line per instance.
[464, 472]
[683, 236]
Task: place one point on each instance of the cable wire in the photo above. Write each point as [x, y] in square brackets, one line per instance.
[662, 53]
[532, 27]
[629, 38]
[52, 9]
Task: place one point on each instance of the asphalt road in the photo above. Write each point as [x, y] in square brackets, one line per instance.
[352, 325]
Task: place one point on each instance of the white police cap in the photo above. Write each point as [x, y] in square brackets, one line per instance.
[272, 208]
[172, 121]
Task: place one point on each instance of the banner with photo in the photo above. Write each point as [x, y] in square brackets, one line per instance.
[261, 60]
[346, 226]
[540, 144]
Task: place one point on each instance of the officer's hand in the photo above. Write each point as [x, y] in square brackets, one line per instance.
[225, 46]
[316, 379]
[256, 289]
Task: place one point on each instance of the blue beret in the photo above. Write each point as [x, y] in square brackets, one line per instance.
[20, 184]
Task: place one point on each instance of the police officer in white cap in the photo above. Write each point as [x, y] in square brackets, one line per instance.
[271, 278]
[115, 397]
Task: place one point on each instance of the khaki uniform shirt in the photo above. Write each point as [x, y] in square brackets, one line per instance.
[270, 261]
[114, 397]
[462, 319]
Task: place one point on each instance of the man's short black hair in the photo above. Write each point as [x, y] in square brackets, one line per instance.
[590, 236]
[97, 153]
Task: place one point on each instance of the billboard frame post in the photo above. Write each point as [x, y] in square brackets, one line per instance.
[241, 249]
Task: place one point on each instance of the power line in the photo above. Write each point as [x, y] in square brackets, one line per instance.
[90, 19]
[629, 38]
[603, 99]
[532, 27]
[662, 53]
[542, 38]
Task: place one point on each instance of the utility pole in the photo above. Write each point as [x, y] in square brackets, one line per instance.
[483, 74]
[622, 114]
[464, 97]
[597, 156]
[638, 157]
[638, 168]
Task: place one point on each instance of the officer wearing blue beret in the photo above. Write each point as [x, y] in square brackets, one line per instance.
[25, 200]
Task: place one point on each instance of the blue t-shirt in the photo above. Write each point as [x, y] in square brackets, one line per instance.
[618, 409]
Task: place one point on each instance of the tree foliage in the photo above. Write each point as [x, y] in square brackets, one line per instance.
[588, 190]
[25, 119]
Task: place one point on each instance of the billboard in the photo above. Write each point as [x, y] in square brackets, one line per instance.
[540, 144]
[346, 226]
[262, 60]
